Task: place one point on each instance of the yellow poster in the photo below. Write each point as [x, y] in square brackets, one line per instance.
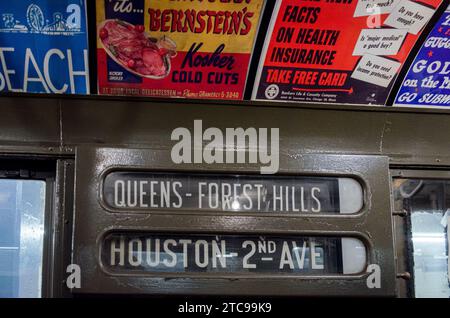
[176, 48]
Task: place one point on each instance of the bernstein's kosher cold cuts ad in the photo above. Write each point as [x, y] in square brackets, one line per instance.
[347, 51]
[168, 48]
[44, 46]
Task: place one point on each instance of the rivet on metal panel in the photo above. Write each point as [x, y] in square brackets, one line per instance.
[405, 276]
[400, 213]
[24, 173]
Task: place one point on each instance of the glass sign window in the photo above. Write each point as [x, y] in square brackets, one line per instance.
[237, 254]
[235, 193]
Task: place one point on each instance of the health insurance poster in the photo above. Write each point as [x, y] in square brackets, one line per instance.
[44, 46]
[427, 83]
[166, 48]
[346, 51]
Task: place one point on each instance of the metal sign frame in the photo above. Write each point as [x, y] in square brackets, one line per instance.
[373, 225]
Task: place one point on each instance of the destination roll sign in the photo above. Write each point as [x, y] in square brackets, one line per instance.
[135, 190]
[238, 254]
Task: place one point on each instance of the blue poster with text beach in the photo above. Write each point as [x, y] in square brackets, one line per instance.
[44, 46]
[427, 83]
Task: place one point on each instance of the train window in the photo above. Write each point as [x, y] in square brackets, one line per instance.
[427, 204]
[22, 209]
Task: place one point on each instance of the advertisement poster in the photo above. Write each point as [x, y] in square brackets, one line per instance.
[347, 51]
[427, 83]
[168, 48]
[44, 46]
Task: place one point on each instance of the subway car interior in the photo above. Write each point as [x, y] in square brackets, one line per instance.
[225, 148]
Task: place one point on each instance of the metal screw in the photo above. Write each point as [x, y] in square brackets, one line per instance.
[400, 213]
[405, 276]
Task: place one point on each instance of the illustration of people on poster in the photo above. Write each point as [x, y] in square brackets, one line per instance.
[186, 49]
[44, 46]
[427, 83]
[338, 51]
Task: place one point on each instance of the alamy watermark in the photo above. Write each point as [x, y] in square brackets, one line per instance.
[232, 145]
[73, 280]
[374, 278]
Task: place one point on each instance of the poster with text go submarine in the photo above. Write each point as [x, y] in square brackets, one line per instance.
[346, 51]
[44, 46]
[427, 83]
[167, 48]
